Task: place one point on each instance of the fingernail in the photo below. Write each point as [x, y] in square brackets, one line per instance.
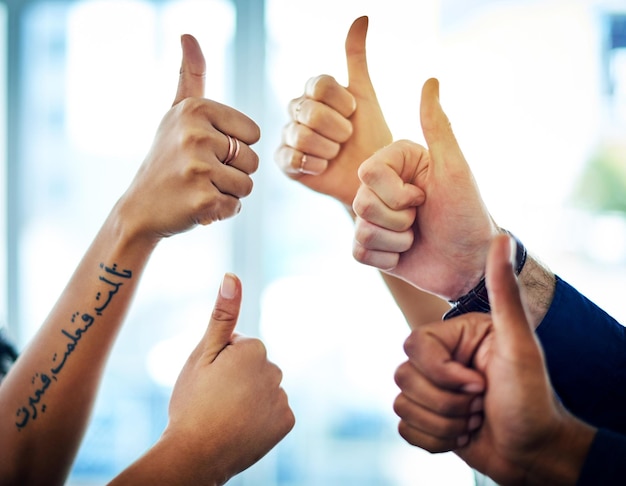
[474, 422]
[184, 39]
[462, 441]
[473, 387]
[228, 289]
[313, 165]
[477, 405]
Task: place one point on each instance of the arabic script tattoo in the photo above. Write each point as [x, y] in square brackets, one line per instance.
[43, 380]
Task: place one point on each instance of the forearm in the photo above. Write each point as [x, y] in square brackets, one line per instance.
[417, 306]
[560, 461]
[537, 285]
[164, 463]
[47, 397]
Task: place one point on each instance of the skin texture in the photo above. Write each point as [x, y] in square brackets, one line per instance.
[491, 366]
[421, 220]
[420, 216]
[340, 126]
[47, 397]
[337, 128]
[213, 431]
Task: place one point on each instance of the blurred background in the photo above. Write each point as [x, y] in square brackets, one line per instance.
[536, 93]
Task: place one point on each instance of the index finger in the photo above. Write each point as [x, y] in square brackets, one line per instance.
[232, 122]
[443, 352]
[327, 90]
[389, 173]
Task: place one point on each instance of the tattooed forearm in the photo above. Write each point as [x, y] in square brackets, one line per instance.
[34, 405]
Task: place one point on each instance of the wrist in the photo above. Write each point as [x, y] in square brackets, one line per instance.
[477, 299]
[559, 461]
[537, 285]
[131, 235]
[170, 461]
[470, 264]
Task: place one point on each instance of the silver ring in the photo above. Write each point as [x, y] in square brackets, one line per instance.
[302, 163]
[233, 150]
[298, 108]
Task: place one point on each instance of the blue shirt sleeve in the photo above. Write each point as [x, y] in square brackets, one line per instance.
[585, 352]
[605, 462]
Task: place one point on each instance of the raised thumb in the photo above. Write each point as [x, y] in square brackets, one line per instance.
[435, 123]
[224, 317]
[358, 74]
[192, 70]
[507, 311]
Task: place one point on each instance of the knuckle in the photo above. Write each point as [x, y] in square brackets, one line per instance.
[400, 406]
[408, 236]
[198, 168]
[426, 442]
[286, 160]
[304, 137]
[185, 105]
[192, 138]
[445, 407]
[247, 186]
[404, 144]
[406, 432]
[289, 422]
[361, 206]
[314, 118]
[204, 202]
[333, 150]
[278, 373]
[359, 253]
[400, 202]
[411, 344]
[346, 132]
[435, 447]
[292, 104]
[321, 85]
[365, 234]
[401, 376]
[254, 163]
[295, 161]
[367, 171]
[255, 134]
[257, 347]
[222, 314]
[217, 211]
[190, 106]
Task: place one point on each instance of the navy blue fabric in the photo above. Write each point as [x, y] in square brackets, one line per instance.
[606, 461]
[585, 352]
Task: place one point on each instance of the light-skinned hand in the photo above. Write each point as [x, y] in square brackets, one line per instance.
[420, 215]
[227, 408]
[182, 181]
[335, 127]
